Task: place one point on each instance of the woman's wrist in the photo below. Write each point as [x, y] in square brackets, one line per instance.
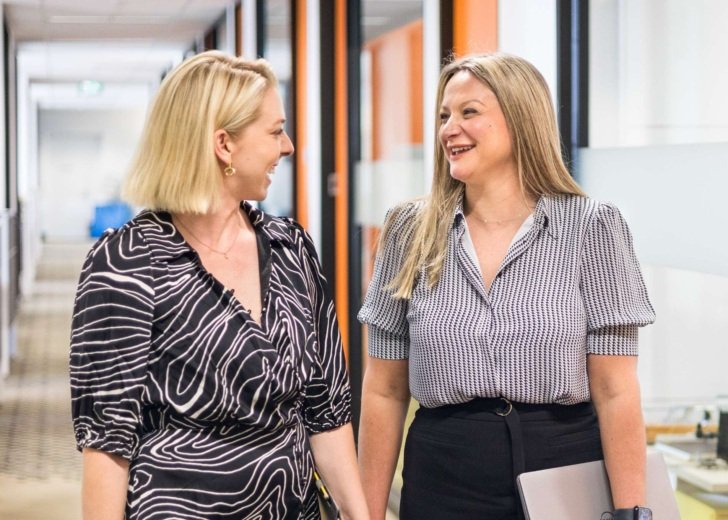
[634, 513]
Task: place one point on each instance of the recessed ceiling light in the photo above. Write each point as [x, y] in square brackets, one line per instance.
[90, 87]
[119, 19]
[78, 19]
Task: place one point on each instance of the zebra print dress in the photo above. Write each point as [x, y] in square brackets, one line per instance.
[169, 371]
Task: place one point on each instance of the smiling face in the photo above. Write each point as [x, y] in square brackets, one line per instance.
[256, 152]
[473, 131]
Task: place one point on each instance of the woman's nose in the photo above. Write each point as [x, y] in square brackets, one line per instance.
[287, 148]
[449, 128]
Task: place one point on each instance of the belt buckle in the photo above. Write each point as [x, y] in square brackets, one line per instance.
[507, 409]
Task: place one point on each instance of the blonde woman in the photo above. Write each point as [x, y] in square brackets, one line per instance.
[206, 365]
[507, 303]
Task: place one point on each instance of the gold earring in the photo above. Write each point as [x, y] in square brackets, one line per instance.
[229, 171]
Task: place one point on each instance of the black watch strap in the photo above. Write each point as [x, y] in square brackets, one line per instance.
[635, 513]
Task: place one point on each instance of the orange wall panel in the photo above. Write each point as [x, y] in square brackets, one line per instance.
[416, 91]
[475, 26]
[396, 99]
[396, 59]
[341, 231]
[300, 119]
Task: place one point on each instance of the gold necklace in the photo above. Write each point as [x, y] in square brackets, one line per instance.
[223, 253]
[498, 222]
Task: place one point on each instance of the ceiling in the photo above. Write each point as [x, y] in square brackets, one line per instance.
[156, 21]
[170, 21]
[136, 41]
[114, 41]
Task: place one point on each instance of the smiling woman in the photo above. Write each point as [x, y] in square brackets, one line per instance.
[507, 304]
[254, 155]
[474, 132]
[206, 361]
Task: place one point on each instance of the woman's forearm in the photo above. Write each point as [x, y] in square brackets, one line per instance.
[380, 439]
[616, 396]
[623, 440]
[104, 487]
[335, 457]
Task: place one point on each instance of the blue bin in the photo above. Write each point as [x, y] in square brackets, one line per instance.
[106, 216]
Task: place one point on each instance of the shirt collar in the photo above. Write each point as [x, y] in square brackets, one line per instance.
[547, 216]
[544, 214]
[275, 229]
[169, 244]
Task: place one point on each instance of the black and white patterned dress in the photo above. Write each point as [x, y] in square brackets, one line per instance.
[169, 371]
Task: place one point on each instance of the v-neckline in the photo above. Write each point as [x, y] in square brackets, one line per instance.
[264, 271]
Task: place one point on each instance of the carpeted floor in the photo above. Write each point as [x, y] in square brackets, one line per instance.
[40, 469]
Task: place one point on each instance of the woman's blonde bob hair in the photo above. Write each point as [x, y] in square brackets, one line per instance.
[525, 100]
[175, 168]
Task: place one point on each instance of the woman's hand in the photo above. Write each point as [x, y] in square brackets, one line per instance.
[385, 399]
[335, 457]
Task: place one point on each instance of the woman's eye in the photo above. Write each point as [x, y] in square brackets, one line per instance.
[278, 132]
[443, 117]
[469, 111]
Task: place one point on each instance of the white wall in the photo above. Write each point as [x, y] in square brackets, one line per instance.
[527, 28]
[83, 157]
[674, 200]
[684, 355]
[659, 149]
[657, 72]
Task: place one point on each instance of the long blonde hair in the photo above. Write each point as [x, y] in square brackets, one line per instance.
[525, 100]
[176, 168]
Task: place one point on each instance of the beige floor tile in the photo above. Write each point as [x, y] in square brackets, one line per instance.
[39, 499]
[40, 469]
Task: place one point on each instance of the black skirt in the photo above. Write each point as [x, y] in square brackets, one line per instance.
[460, 461]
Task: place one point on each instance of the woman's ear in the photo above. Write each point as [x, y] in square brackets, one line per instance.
[223, 144]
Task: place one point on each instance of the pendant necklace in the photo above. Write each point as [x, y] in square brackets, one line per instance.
[498, 222]
[223, 253]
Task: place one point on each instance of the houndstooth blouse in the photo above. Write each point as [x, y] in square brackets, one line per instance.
[569, 286]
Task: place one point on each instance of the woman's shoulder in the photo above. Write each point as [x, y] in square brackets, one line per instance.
[400, 220]
[578, 208]
[584, 218]
[289, 232]
[285, 229]
[129, 242]
[404, 212]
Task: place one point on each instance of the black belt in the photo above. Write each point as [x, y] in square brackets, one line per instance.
[513, 422]
[512, 413]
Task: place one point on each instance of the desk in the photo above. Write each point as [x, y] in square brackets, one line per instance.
[697, 504]
[701, 492]
[683, 455]
[710, 480]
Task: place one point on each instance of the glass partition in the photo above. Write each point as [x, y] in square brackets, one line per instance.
[391, 167]
[276, 49]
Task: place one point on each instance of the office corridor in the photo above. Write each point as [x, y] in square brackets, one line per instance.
[40, 469]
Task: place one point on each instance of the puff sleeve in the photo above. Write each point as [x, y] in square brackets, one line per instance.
[327, 398]
[110, 338]
[614, 292]
[385, 315]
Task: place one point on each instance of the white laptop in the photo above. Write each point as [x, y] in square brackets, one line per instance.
[581, 492]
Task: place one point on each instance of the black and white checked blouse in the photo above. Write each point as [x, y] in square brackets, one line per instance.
[569, 286]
